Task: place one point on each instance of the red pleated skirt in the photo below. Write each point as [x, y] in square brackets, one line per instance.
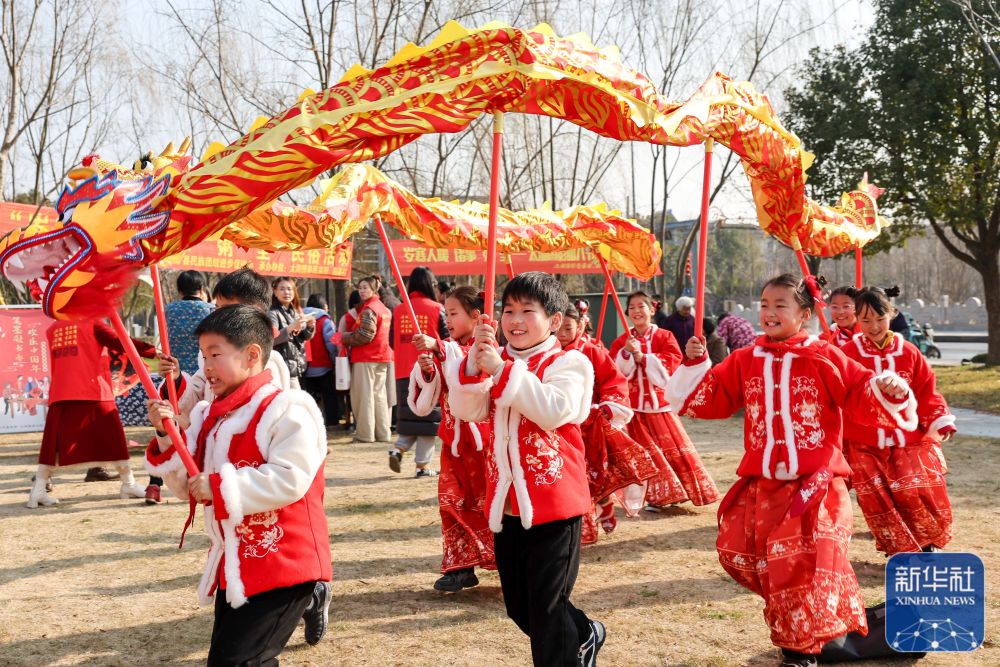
[682, 475]
[798, 564]
[467, 540]
[903, 495]
[588, 527]
[82, 432]
[614, 460]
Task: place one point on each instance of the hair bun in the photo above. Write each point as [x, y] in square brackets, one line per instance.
[892, 292]
[852, 292]
[821, 281]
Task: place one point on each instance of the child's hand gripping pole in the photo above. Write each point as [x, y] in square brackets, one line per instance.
[147, 383]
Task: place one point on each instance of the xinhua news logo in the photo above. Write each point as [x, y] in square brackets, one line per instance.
[934, 602]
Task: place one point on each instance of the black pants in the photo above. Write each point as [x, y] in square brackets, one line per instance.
[256, 633]
[538, 568]
[323, 392]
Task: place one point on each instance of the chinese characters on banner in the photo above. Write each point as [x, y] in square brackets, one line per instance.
[224, 256]
[455, 262]
[934, 602]
[24, 368]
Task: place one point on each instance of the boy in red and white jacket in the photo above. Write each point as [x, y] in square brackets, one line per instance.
[261, 451]
[536, 395]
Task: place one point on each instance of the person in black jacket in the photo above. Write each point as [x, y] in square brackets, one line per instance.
[292, 327]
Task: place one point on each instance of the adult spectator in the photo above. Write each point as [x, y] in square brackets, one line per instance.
[293, 326]
[736, 331]
[681, 322]
[346, 324]
[441, 290]
[321, 351]
[412, 431]
[184, 316]
[370, 357]
[717, 350]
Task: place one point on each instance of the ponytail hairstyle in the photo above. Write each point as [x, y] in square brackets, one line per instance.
[467, 295]
[806, 290]
[876, 299]
[642, 296]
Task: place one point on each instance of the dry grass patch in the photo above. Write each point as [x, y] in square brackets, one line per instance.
[972, 386]
[99, 581]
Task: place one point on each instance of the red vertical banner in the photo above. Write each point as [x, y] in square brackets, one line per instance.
[24, 369]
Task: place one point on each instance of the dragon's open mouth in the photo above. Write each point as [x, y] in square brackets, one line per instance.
[44, 260]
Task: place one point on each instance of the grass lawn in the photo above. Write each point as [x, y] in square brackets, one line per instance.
[971, 386]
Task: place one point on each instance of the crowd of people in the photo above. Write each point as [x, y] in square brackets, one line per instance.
[541, 437]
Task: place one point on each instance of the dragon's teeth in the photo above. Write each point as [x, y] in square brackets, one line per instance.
[15, 262]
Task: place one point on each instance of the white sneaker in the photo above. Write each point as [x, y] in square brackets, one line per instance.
[132, 490]
[39, 496]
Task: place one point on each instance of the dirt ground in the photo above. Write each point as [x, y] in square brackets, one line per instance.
[99, 581]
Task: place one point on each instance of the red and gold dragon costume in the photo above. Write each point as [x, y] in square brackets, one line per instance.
[116, 221]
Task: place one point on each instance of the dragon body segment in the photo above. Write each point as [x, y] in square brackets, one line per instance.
[117, 221]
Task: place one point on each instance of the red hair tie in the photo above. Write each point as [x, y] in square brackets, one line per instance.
[482, 296]
[812, 286]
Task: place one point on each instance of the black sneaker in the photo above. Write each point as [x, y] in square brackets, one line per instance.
[453, 582]
[395, 458]
[931, 549]
[426, 472]
[317, 614]
[796, 659]
[589, 648]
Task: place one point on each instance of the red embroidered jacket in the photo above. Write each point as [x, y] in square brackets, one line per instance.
[646, 383]
[265, 462]
[611, 389]
[904, 359]
[424, 394]
[795, 394]
[840, 336]
[535, 403]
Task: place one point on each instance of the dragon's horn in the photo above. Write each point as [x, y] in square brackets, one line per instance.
[185, 145]
[169, 150]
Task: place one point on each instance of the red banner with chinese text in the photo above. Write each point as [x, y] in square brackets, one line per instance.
[24, 368]
[223, 256]
[14, 215]
[456, 262]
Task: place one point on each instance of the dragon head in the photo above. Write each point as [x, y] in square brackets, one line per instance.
[110, 226]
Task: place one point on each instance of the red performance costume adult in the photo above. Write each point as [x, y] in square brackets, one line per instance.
[614, 460]
[785, 525]
[682, 475]
[82, 425]
[899, 475]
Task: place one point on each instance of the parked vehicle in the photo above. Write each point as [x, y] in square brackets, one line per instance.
[922, 336]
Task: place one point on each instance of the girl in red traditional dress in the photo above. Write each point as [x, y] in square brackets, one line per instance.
[466, 536]
[646, 356]
[785, 525]
[899, 476]
[845, 321]
[82, 424]
[614, 460]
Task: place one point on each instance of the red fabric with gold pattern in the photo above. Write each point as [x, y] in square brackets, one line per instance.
[903, 495]
[685, 476]
[467, 540]
[798, 564]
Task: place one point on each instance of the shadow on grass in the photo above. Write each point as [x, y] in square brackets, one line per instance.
[170, 642]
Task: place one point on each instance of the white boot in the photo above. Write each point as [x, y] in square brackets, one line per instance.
[38, 495]
[129, 487]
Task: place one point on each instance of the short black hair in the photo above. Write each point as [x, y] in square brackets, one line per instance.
[421, 280]
[246, 286]
[190, 283]
[537, 286]
[241, 325]
[708, 327]
[316, 301]
[354, 300]
[444, 286]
